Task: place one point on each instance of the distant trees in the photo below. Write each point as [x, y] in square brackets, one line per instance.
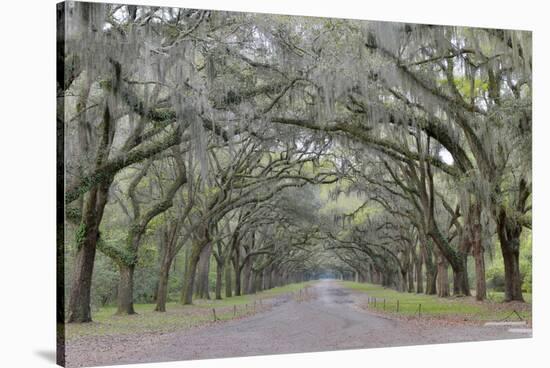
[213, 132]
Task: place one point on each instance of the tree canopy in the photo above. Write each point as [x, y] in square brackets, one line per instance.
[278, 149]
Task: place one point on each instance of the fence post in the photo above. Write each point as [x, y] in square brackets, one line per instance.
[374, 302]
[398, 306]
[214, 313]
[384, 303]
[419, 309]
[234, 310]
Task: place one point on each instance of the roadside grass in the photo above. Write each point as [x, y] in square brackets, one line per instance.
[177, 316]
[498, 296]
[452, 308]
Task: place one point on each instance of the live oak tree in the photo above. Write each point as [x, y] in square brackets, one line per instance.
[215, 135]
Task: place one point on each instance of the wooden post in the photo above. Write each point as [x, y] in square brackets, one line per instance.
[234, 310]
[214, 313]
[254, 305]
[384, 303]
[374, 302]
[419, 309]
[398, 306]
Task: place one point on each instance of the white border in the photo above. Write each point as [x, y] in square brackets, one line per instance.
[27, 180]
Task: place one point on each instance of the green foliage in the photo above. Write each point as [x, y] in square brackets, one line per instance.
[80, 235]
[104, 282]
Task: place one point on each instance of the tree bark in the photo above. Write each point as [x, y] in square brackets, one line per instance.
[410, 278]
[461, 286]
[245, 288]
[219, 277]
[509, 237]
[81, 284]
[228, 281]
[125, 290]
[202, 284]
[479, 257]
[431, 269]
[190, 271]
[162, 291]
[237, 268]
[442, 277]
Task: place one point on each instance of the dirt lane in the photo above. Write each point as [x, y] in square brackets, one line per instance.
[328, 319]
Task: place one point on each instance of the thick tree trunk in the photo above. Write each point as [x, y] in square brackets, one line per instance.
[512, 276]
[268, 280]
[81, 284]
[79, 298]
[203, 270]
[442, 277]
[431, 277]
[125, 303]
[261, 281]
[410, 278]
[479, 256]
[162, 291]
[473, 232]
[190, 271]
[245, 288]
[461, 286]
[403, 281]
[228, 281]
[426, 247]
[219, 278]
[509, 237]
[237, 269]
[418, 272]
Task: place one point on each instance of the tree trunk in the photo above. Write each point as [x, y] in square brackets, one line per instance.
[190, 271]
[202, 284]
[228, 281]
[79, 298]
[418, 273]
[269, 279]
[81, 284]
[246, 278]
[479, 256]
[125, 304]
[512, 276]
[237, 268]
[431, 275]
[162, 291]
[403, 281]
[461, 285]
[219, 277]
[442, 277]
[410, 277]
[509, 235]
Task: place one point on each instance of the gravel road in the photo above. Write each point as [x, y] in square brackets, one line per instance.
[328, 319]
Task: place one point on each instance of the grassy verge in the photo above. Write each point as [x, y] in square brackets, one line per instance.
[177, 316]
[428, 306]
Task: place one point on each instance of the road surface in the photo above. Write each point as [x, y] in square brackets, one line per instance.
[329, 319]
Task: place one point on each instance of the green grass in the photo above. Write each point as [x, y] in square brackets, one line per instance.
[457, 308]
[176, 317]
[498, 296]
